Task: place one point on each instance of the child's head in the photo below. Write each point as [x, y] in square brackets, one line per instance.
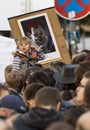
[23, 44]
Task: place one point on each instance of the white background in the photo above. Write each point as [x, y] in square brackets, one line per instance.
[11, 8]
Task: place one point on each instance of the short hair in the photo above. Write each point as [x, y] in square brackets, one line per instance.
[25, 39]
[51, 75]
[87, 94]
[80, 70]
[74, 113]
[59, 125]
[15, 81]
[39, 76]
[56, 66]
[7, 70]
[87, 74]
[79, 58]
[3, 87]
[31, 89]
[30, 71]
[47, 96]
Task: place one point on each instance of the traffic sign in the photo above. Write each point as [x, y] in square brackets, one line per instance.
[72, 9]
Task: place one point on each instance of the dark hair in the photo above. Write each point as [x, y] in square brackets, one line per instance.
[39, 77]
[87, 74]
[50, 74]
[73, 114]
[79, 58]
[85, 50]
[30, 90]
[68, 94]
[59, 125]
[47, 96]
[57, 65]
[80, 70]
[30, 71]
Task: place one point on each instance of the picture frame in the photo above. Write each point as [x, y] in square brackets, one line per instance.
[46, 20]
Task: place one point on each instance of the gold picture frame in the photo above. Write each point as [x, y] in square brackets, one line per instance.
[48, 20]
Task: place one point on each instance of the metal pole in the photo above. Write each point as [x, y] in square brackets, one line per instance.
[27, 6]
[83, 40]
[70, 44]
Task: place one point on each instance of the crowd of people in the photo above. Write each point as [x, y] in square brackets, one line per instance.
[36, 97]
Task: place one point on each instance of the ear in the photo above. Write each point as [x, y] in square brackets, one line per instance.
[58, 106]
[26, 82]
[31, 103]
[5, 112]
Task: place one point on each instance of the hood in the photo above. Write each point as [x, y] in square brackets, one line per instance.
[40, 118]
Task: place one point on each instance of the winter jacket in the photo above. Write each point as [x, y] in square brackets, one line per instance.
[36, 119]
[22, 61]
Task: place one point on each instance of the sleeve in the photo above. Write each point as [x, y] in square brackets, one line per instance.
[16, 66]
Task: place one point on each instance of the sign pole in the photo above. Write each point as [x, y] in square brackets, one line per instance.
[70, 46]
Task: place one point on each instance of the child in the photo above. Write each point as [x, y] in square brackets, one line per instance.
[26, 55]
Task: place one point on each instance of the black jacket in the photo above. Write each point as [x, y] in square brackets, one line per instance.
[36, 119]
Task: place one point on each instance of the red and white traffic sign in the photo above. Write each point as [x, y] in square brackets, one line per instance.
[72, 9]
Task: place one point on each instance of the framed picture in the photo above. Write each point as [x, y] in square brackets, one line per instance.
[43, 28]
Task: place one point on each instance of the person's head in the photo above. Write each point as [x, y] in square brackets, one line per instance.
[81, 87]
[88, 57]
[59, 125]
[67, 94]
[80, 70]
[39, 77]
[51, 75]
[15, 80]
[56, 66]
[83, 122]
[30, 91]
[23, 44]
[7, 70]
[79, 58]
[3, 90]
[48, 97]
[30, 71]
[87, 94]
[11, 104]
[73, 114]
[66, 78]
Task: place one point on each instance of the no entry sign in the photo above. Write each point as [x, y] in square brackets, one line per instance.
[72, 9]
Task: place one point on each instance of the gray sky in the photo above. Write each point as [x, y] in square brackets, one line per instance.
[11, 8]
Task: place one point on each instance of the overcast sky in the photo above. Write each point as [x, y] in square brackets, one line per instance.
[10, 8]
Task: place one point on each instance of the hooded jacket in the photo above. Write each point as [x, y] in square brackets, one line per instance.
[36, 119]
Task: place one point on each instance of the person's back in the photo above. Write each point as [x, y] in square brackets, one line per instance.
[47, 104]
[60, 125]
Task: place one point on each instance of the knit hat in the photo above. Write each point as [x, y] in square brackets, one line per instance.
[13, 102]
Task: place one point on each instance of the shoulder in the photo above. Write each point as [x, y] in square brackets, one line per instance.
[19, 123]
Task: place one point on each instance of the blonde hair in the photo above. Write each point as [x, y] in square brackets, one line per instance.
[25, 39]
